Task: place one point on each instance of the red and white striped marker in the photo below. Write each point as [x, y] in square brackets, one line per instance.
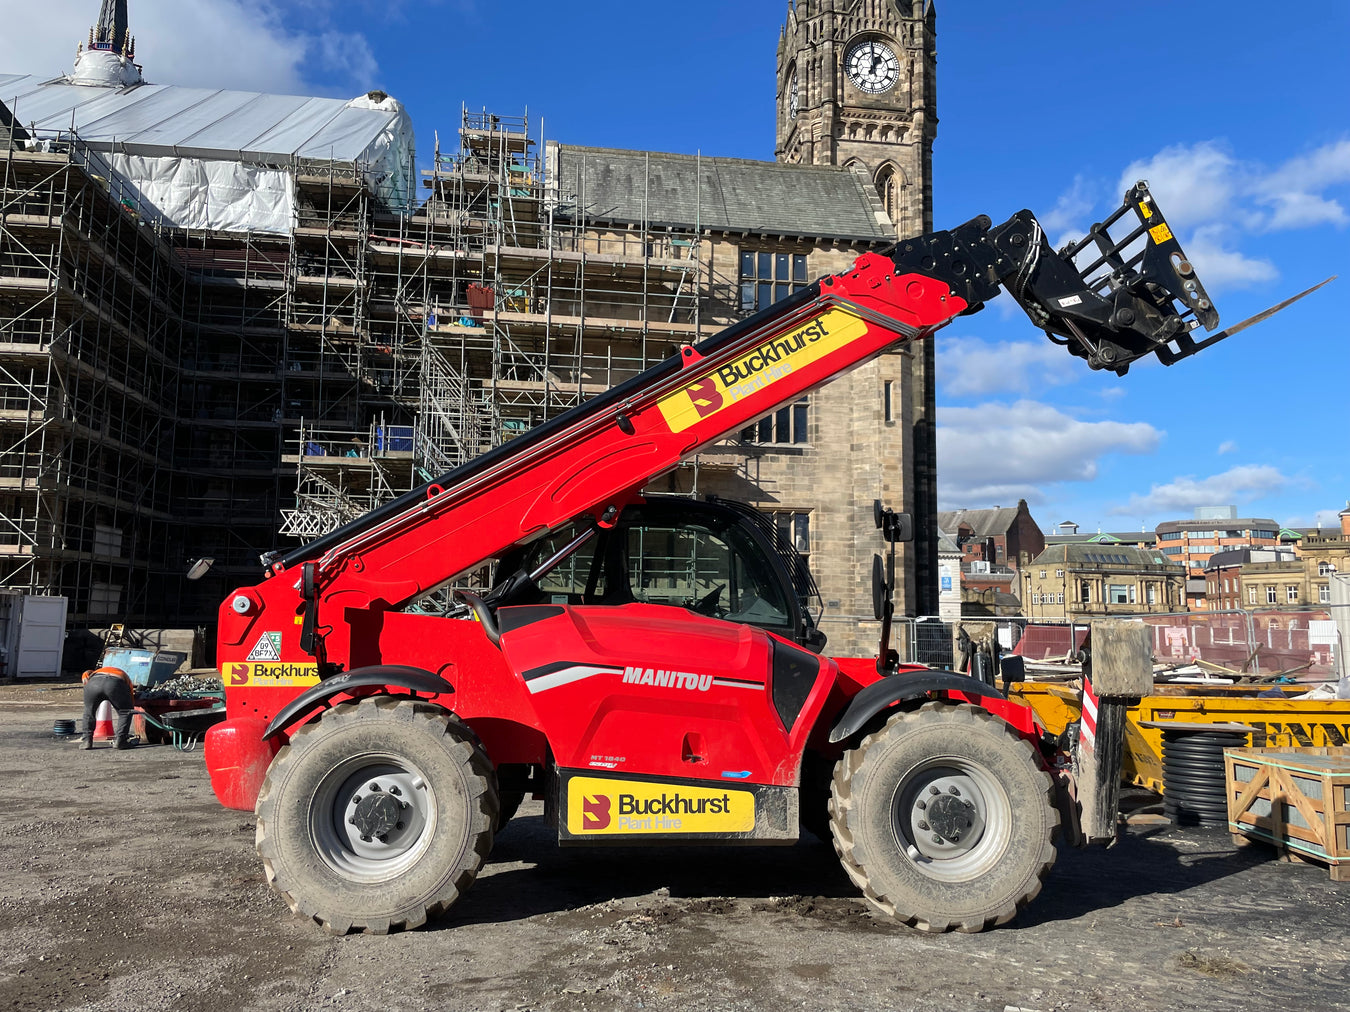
[1088, 727]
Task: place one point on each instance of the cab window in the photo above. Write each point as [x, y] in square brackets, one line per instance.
[723, 574]
[577, 579]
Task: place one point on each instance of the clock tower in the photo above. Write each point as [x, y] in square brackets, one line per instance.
[856, 87]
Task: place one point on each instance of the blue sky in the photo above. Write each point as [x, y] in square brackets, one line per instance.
[1238, 115]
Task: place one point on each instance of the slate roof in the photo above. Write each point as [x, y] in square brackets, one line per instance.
[985, 523]
[719, 194]
[1242, 556]
[1105, 555]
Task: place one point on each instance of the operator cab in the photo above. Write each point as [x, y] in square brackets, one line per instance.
[716, 558]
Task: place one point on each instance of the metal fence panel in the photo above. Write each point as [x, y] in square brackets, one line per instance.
[1298, 644]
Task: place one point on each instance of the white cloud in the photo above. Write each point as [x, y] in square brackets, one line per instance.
[998, 453]
[1227, 446]
[1184, 493]
[341, 52]
[1304, 210]
[1213, 200]
[254, 45]
[1219, 266]
[1194, 185]
[1068, 219]
[1292, 188]
[972, 367]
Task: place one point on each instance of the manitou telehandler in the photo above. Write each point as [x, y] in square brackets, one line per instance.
[646, 664]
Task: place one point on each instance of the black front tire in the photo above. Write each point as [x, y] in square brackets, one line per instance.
[378, 816]
[945, 819]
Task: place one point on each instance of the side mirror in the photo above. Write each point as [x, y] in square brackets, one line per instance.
[895, 527]
[878, 588]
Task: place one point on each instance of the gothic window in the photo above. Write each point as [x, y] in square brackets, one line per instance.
[888, 188]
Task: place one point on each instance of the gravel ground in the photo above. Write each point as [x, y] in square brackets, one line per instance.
[124, 885]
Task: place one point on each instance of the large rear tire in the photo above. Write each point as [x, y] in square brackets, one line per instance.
[945, 819]
[378, 816]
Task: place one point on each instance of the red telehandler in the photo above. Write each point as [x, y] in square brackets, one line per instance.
[647, 665]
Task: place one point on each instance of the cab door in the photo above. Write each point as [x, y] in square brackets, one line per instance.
[648, 654]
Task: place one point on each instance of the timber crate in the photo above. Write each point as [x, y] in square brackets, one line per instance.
[1295, 798]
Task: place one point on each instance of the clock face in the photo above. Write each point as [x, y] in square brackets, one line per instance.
[792, 97]
[872, 67]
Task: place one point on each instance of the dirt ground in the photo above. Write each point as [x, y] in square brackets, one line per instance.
[124, 885]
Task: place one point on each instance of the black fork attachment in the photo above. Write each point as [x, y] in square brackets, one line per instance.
[1109, 299]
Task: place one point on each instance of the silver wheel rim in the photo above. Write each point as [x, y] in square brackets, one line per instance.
[372, 817]
[951, 818]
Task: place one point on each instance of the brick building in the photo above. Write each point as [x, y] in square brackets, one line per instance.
[1215, 529]
[1004, 536]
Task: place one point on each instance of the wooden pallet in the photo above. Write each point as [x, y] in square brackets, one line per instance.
[1295, 798]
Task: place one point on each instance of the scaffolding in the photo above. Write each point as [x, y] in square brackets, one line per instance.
[91, 304]
[169, 395]
[493, 307]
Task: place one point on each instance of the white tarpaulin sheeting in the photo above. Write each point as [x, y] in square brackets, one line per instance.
[205, 193]
[196, 153]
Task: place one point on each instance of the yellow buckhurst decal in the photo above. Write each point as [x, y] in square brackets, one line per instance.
[256, 673]
[756, 370]
[596, 807]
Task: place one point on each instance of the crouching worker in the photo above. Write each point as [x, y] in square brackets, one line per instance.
[113, 685]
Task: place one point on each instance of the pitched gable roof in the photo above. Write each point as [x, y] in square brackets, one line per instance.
[721, 194]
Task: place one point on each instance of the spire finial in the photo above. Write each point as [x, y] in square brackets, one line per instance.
[111, 31]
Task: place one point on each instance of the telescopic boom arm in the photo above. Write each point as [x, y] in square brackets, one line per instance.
[1136, 295]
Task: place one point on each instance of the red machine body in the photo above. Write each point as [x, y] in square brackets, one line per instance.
[383, 747]
[600, 462]
[602, 459]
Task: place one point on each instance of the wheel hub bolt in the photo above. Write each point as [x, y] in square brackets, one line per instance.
[933, 789]
[921, 805]
[398, 825]
[365, 838]
[936, 838]
[955, 791]
[923, 825]
[356, 799]
[395, 791]
[374, 786]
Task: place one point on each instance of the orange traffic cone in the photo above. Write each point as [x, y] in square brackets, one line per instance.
[103, 722]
